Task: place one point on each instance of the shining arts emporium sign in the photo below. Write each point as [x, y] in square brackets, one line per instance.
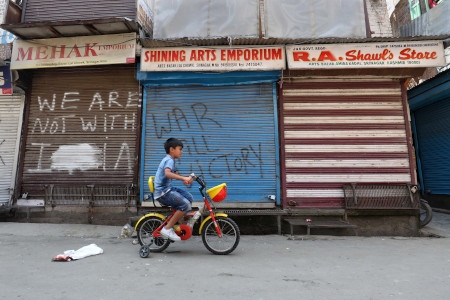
[213, 59]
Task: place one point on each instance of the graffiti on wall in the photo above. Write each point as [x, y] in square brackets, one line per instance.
[98, 132]
[194, 125]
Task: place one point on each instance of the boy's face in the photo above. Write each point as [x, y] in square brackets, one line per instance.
[176, 152]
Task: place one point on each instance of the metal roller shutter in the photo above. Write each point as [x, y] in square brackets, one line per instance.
[44, 10]
[83, 129]
[11, 112]
[432, 125]
[229, 134]
[339, 131]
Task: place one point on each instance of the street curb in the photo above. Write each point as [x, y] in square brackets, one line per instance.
[60, 230]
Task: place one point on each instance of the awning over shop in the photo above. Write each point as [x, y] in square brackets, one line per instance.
[58, 29]
[429, 92]
[199, 78]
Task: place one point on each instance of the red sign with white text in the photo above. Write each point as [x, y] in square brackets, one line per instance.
[411, 54]
[213, 59]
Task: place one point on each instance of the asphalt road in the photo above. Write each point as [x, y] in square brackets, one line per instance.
[262, 267]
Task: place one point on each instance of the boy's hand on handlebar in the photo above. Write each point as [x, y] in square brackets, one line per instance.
[189, 179]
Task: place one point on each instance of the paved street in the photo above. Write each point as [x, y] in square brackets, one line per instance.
[262, 267]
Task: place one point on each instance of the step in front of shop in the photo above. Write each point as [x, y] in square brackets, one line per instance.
[324, 224]
[30, 205]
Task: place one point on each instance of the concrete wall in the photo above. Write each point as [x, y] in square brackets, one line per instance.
[401, 16]
[379, 23]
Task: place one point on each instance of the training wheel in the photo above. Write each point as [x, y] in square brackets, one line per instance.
[144, 251]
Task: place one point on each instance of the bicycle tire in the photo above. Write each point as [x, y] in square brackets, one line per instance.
[144, 251]
[426, 213]
[145, 234]
[221, 245]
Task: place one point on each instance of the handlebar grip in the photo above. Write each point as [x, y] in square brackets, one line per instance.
[193, 176]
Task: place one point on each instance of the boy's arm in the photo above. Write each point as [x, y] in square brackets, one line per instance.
[169, 174]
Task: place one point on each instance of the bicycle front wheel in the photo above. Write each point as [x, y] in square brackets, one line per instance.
[145, 234]
[221, 245]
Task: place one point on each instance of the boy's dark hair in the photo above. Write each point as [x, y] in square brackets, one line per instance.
[172, 143]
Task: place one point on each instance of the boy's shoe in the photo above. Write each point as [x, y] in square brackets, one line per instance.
[170, 234]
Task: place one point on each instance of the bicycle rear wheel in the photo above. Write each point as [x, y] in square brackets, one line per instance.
[230, 236]
[145, 234]
[426, 213]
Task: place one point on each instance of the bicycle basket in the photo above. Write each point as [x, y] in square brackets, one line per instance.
[218, 193]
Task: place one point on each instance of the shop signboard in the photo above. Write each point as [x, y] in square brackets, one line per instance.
[74, 51]
[145, 15]
[5, 81]
[410, 54]
[213, 59]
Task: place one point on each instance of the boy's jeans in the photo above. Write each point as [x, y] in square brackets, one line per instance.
[177, 198]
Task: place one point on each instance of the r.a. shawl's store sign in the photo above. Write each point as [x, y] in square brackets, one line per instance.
[414, 54]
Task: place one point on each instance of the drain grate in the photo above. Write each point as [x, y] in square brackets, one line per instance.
[256, 212]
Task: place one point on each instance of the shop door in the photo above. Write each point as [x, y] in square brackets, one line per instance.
[432, 124]
[229, 133]
[11, 111]
[340, 131]
[83, 130]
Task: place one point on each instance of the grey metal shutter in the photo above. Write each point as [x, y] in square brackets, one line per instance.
[45, 10]
[432, 125]
[11, 112]
[229, 135]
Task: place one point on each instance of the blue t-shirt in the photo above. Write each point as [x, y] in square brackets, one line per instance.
[161, 182]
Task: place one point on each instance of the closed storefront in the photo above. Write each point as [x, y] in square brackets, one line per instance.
[228, 124]
[430, 120]
[82, 135]
[11, 112]
[337, 131]
[345, 122]
[432, 124]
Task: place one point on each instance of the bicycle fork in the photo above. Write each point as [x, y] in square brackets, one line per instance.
[213, 218]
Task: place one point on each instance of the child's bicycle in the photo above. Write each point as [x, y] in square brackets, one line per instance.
[220, 234]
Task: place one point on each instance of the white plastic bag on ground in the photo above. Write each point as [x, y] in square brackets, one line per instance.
[83, 252]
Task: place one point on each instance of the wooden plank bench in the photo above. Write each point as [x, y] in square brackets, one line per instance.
[333, 224]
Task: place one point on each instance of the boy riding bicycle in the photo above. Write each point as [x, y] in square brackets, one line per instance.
[167, 194]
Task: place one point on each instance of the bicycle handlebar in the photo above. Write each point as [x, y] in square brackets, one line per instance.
[199, 179]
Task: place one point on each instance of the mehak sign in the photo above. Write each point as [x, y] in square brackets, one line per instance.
[411, 54]
[75, 51]
[213, 59]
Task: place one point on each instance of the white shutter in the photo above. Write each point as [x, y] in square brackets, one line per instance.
[11, 113]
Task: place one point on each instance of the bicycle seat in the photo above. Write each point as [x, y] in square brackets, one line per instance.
[151, 184]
